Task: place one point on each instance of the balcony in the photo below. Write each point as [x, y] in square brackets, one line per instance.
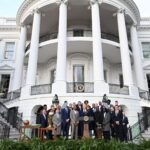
[144, 94]
[80, 87]
[116, 89]
[41, 89]
[74, 33]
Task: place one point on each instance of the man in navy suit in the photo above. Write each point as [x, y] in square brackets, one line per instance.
[43, 119]
[65, 113]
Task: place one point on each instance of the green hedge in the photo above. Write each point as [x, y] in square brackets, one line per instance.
[90, 144]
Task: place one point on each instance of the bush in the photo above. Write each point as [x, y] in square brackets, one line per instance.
[60, 144]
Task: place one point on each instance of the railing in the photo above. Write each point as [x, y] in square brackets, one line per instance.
[12, 95]
[70, 33]
[144, 94]
[139, 127]
[41, 89]
[116, 89]
[4, 130]
[80, 87]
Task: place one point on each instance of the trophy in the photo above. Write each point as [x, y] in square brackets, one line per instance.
[50, 124]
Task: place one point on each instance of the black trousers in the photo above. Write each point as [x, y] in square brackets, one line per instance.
[106, 135]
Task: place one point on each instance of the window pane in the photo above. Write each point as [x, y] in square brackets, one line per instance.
[4, 85]
[9, 50]
[78, 33]
[146, 49]
[53, 76]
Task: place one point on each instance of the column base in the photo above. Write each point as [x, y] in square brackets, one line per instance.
[25, 92]
[60, 87]
[101, 87]
[133, 90]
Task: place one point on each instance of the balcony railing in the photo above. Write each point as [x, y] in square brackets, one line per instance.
[146, 54]
[70, 33]
[41, 89]
[80, 87]
[144, 94]
[116, 89]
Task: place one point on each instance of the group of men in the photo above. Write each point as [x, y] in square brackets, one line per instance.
[102, 120]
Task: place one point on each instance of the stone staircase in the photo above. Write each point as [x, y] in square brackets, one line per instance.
[14, 133]
[146, 134]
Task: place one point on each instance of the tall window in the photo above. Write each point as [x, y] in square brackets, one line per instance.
[105, 75]
[4, 84]
[121, 81]
[78, 73]
[148, 81]
[146, 49]
[53, 75]
[9, 50]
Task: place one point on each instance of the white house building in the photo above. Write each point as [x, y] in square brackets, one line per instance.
[77, 49]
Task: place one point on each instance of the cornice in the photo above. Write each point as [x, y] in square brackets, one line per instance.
[129, 3]
[9, 28]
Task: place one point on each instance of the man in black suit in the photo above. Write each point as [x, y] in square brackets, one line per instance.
[124, 126]
[43, 119]
[117, 119]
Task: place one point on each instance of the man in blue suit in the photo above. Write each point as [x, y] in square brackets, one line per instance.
[65, 113]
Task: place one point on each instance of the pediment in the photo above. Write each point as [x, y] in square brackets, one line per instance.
[6, 67]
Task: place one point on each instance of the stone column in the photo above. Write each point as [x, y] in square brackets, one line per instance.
[33, 55]
[20, 59]
[60, 84]
[98, 69]
[137, 58]
[124, 48]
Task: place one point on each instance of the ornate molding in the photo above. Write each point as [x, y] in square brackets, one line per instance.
[62, 1]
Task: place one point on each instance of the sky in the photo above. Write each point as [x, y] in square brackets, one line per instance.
[8, 8]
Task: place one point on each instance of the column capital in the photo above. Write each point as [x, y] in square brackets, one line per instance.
[62, 1]
[121, 10]
[92, 2]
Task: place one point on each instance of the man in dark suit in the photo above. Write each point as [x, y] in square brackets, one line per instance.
[117, 124]
[65, 113]
[43, 119]
[124, 126]
[98, 118]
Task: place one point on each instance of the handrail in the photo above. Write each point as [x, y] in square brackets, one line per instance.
[4, 130]
[80, 87]
[116, 89]
[86, 33]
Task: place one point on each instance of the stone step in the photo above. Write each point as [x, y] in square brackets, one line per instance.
[145, 135]
[14, 137]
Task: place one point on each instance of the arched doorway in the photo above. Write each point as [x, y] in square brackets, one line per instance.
[36, 109]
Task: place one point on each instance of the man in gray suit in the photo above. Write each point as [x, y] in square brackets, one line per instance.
[74, 116]
[106, 124]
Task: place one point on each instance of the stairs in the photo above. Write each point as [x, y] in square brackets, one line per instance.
[146, 134]
[14, 133]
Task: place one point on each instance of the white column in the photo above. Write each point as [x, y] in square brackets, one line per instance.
[20, 59]
[60, 84]
[125, 56]
[137, 58]
[33, 55]
[98, 68]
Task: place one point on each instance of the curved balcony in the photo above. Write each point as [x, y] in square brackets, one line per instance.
[75, 33]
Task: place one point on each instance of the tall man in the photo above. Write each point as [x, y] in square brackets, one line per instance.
[65, 112]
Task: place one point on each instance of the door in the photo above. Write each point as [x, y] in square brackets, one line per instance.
[78, 78]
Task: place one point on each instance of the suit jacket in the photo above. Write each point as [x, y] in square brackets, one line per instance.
[118, 117]
[125, 120]
[43, 120]
[65, 114]
[74, 116]
[56, 119]
[98, 117]
[106, 122]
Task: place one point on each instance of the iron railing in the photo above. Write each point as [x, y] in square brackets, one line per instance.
[117, 89]
[4, 130]
[144, 94]
[41, 89]
[80, 87]
[70, 33]
[139, 127]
